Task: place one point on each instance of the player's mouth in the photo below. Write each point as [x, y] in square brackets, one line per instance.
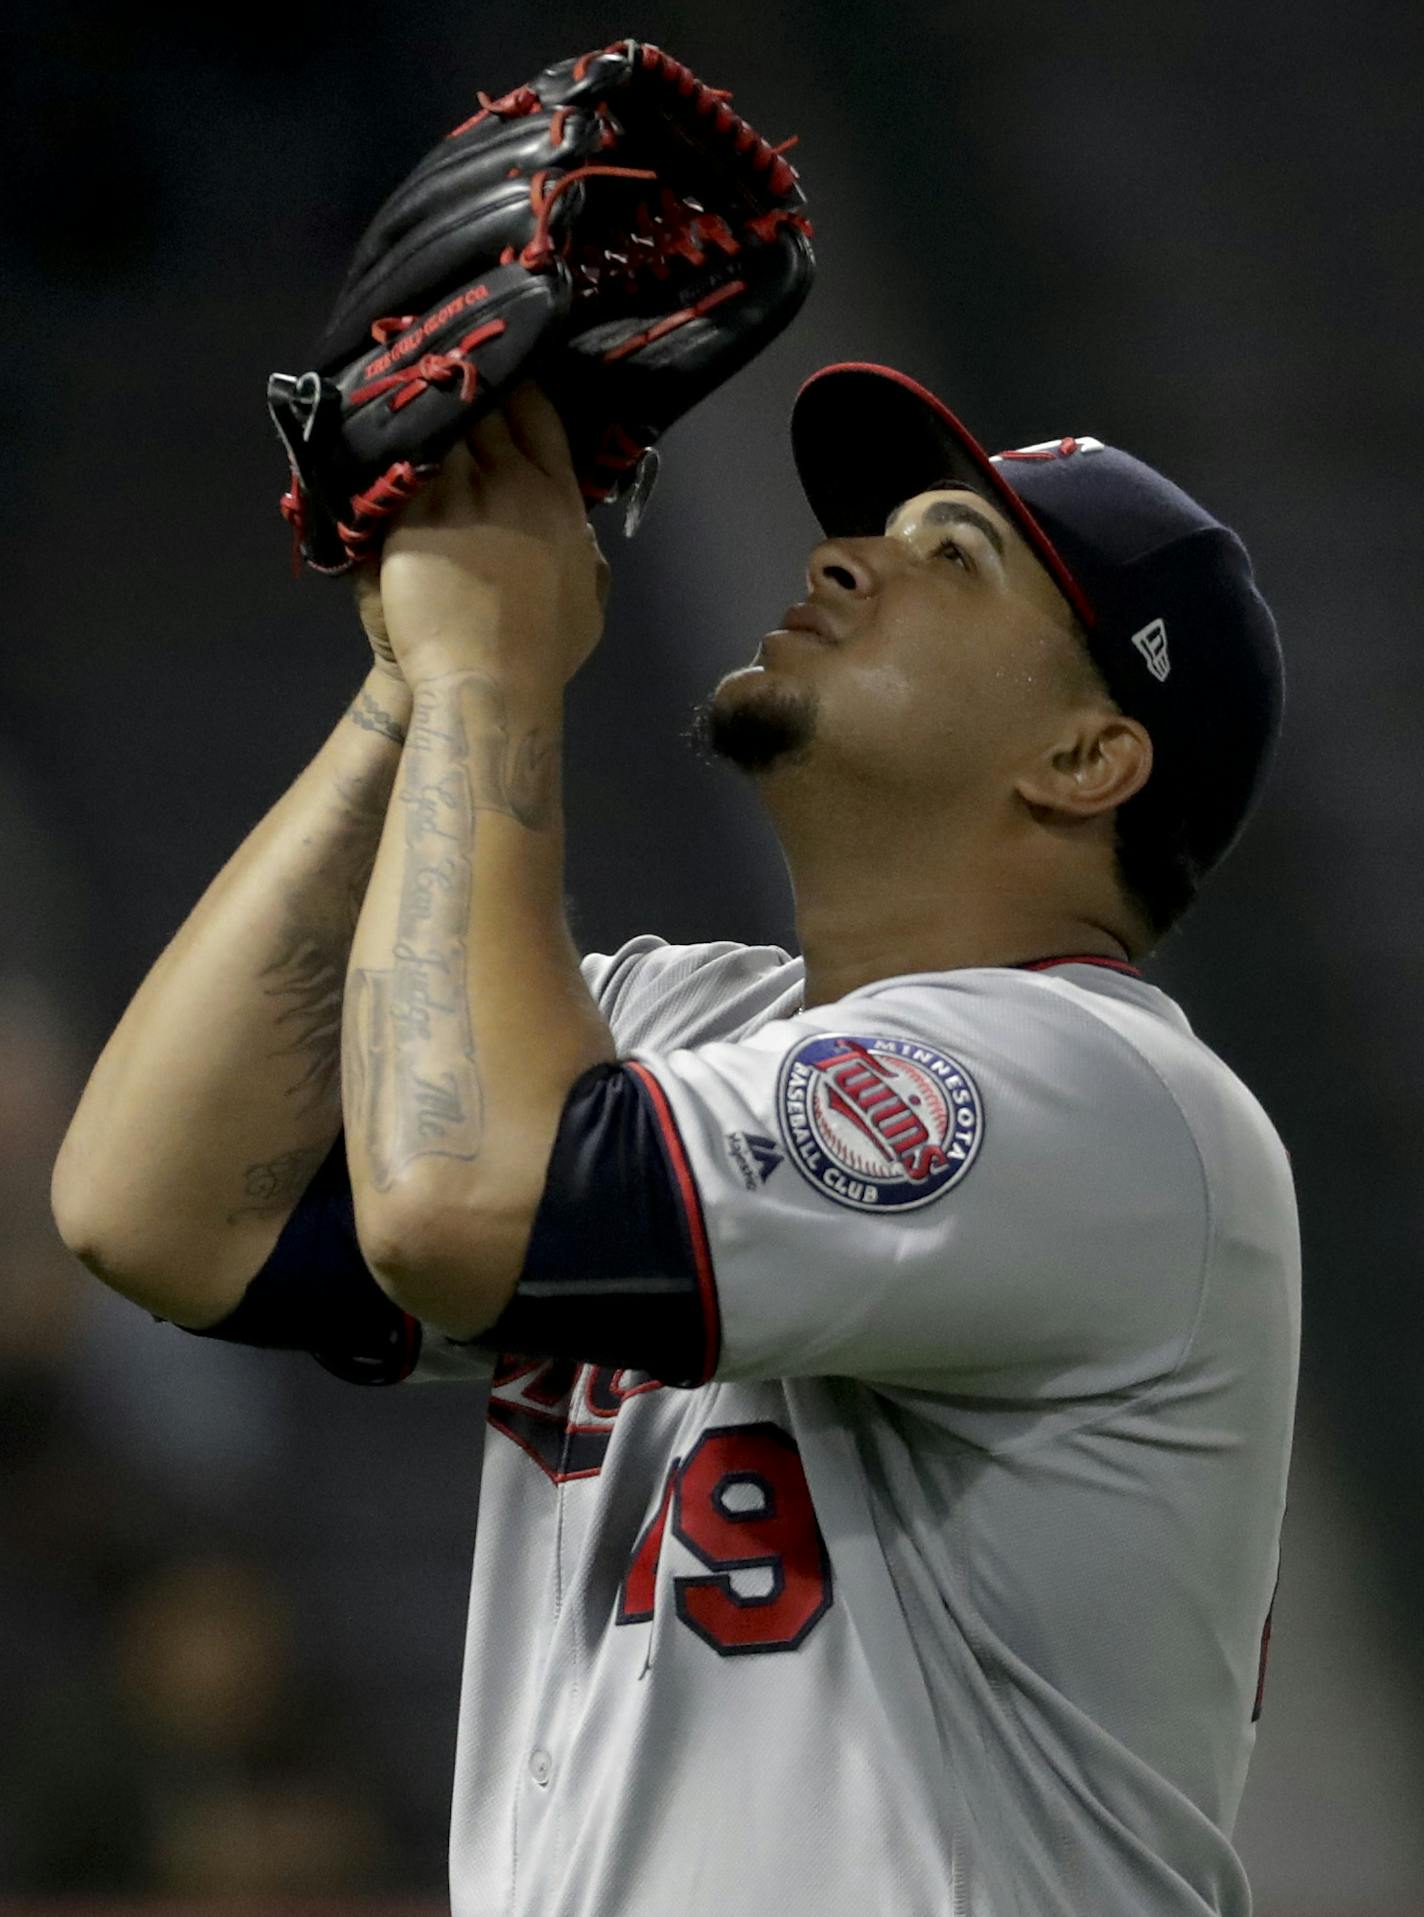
[807, 618]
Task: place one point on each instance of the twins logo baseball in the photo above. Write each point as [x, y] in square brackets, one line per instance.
[879, 1124]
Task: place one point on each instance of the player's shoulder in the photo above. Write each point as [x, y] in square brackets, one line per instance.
[1083, 1034]
[654, 993]
[1091, 1011]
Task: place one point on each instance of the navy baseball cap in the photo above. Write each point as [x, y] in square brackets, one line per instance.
[1174, 622]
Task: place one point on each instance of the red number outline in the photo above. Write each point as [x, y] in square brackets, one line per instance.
[694, 1500]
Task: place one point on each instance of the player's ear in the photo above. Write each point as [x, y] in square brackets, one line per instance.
[1097, 760]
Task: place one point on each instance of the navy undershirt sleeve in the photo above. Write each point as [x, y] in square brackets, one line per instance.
[315, 1292]
[610, 1276]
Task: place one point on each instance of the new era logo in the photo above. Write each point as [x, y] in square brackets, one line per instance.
[1151, 642]
[1053, 448]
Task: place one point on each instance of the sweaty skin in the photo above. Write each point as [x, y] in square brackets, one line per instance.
[940, 759]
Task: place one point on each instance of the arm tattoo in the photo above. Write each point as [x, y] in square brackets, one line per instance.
[371, 716]
[306, 973]
[307, 968]
[409, 1055]
[278, 1184]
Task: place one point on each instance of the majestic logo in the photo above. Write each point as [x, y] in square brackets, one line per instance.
[1151, 642]
[755, 1157]
[1053, 448]
[879, 1124]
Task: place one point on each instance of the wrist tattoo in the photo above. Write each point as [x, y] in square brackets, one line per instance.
[367, 712]
[518, 777]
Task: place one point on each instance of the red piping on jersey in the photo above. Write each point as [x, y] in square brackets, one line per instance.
[692, 1210]
[410, 1357]
[1081, 958]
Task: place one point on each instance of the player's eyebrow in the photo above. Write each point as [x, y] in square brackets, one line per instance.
[953, 512]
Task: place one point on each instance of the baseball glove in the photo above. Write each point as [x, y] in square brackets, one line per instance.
[612, 230]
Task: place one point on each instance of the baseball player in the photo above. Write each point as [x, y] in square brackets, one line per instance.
[890, 1348]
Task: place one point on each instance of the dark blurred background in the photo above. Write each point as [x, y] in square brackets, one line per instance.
[231, 1589]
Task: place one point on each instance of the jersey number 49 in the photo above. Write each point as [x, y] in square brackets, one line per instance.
[740, 1503]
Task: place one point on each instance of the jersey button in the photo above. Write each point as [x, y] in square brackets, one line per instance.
[541, 1767]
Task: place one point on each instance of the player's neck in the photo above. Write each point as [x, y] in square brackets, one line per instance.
[885, 912]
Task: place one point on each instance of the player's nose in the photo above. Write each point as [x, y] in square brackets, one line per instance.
[836, 570]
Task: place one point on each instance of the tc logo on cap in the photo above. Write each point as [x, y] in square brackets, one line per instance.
[1151, 642]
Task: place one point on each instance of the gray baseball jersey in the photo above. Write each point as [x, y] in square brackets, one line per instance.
[947, 1594]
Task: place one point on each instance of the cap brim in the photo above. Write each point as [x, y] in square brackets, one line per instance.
[865, 438]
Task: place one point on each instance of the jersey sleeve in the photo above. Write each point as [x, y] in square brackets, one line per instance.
[970, 1184]
[652, 992]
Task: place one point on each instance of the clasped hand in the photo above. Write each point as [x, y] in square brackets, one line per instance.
[493, 567]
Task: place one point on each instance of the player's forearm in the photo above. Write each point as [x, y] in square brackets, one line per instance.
[218, 1093]
[467, 1018]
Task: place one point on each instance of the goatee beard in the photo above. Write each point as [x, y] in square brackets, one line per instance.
[755, 734]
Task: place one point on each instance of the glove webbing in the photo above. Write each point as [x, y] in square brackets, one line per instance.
[682, 228]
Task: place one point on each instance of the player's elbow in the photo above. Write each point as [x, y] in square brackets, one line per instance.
[77, 1212]
[104, 1239]
[186, 1277]
[452, 1266]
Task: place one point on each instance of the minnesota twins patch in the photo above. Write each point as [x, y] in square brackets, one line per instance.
[879, 1124]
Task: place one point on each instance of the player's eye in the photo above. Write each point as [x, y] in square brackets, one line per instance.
[952, 546]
